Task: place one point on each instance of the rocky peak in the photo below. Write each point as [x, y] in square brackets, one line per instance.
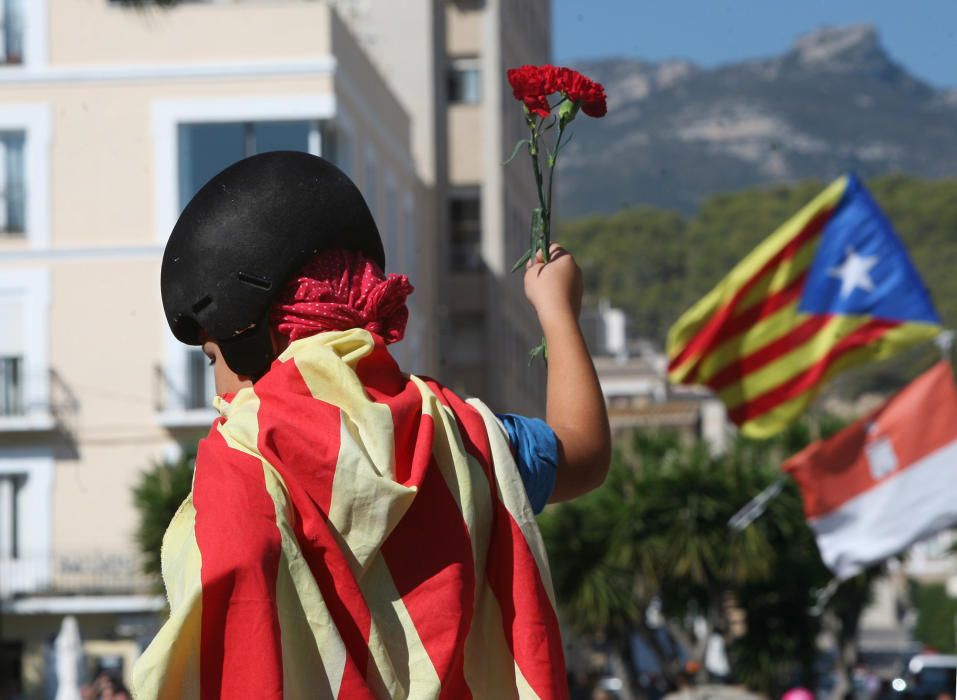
[853, 48]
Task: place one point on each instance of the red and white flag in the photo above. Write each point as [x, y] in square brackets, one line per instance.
[886, 481]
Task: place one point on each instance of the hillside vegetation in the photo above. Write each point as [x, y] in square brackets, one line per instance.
[655, 263]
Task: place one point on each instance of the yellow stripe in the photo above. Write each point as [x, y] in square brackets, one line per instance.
[513, 494]
[780, 278]
[753, 338]
[314, 655]
[488, 664]
[397, 655]
[891, 342]
[366, 505]
[169, 668]
[463, 475]
[366, 501]
[793, 363]
[758, 336]
[692, 321]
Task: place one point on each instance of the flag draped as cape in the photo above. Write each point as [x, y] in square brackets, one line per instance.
[354, 532]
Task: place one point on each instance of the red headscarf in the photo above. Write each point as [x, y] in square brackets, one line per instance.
[338, 290]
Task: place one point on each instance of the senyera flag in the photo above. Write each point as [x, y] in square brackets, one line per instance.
[886, 481]
[831, 288]
[354, 532]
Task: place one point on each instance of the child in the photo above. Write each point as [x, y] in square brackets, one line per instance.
[352, 531]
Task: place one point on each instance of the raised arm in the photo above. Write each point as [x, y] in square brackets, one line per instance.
[575, 407]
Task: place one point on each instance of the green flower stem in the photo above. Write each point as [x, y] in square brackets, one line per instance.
[545, 220]
[541, 229]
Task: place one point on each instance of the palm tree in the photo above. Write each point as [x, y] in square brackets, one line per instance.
[658, 529]
[159, 494]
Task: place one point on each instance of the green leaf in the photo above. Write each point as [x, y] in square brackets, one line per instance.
[518, 145]
[542, 350]
[562, 143]
[522, 260]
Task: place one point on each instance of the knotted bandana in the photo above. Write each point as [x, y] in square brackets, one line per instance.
[342, 289]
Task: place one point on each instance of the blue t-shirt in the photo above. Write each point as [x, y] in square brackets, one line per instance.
[536, 455]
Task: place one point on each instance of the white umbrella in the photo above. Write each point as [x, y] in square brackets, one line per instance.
[69, 651]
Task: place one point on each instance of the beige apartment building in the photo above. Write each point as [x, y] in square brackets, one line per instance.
[110, 118]
[446, 61]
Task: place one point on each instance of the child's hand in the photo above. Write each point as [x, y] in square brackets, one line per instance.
[554, 287]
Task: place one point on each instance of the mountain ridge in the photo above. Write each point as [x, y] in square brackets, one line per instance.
[677, 133]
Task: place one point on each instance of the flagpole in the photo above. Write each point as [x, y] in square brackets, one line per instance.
[754, 509]
[945, 343]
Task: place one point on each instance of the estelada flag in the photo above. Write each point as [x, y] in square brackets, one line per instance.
[354, 532]
[886, 481]
[831, 288]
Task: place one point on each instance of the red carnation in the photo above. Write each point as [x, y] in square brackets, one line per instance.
[531, 86]
[589, 94]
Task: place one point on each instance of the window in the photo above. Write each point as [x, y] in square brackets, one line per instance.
[12, 183]
[26, 518]
[465, 81]
[11, 32]
[11, 385]
[200, 383]
[466, 233]
[10, 485]
[205, 149]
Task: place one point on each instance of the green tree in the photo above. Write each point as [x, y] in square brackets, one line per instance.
[658, 529]
[160, 492]
[655, 264]
[936, 616]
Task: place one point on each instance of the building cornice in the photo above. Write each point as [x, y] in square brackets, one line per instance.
[312, 67]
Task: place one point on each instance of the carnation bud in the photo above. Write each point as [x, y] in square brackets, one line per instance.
[567, 112]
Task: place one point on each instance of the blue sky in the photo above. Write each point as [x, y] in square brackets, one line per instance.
[919, 34]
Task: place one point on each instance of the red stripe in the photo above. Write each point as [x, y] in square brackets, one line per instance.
[528, 619]
[240, 641]
[712, 332]
[299, 436]
[429, 554]
[736, 371]
[744, 321]
[801, 383]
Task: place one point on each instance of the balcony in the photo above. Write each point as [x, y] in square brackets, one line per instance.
[25, 404]
[75, 573]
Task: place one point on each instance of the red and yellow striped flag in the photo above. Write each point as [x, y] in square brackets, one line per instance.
[354, 532]
[831, 288]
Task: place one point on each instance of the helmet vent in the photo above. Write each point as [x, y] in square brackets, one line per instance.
[254, 281]
[202, 304]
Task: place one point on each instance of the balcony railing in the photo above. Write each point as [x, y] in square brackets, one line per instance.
[91, 573]
[183, 398]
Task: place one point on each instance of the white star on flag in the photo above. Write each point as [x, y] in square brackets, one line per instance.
[854, 273]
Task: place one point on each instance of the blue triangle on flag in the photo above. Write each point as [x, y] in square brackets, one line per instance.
[861, 268]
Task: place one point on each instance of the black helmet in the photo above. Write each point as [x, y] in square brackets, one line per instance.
[244, 235]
